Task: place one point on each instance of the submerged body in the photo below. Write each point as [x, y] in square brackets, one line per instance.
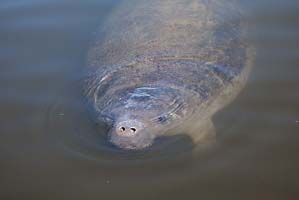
[156, 65]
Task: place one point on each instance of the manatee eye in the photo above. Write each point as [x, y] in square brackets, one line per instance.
[162, 119]
[106, 118]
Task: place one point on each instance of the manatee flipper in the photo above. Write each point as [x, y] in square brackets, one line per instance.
[204, 132]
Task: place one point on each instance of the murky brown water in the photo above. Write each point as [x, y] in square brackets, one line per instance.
[50, 149]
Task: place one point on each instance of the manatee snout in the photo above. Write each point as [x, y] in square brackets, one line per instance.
[138, 115]
[131, 134]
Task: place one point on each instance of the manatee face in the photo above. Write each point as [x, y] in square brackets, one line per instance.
[133, 133]
[140, 114]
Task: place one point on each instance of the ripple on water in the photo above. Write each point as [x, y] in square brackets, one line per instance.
[71, 127]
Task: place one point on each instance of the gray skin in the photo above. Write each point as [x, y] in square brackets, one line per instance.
[157, 65]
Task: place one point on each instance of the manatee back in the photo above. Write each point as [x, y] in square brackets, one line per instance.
[196, 45]
[209, 30]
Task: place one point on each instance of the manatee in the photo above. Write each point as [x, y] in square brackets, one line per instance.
[160, 68]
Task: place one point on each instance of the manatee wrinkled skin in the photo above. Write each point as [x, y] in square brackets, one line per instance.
[157, 65]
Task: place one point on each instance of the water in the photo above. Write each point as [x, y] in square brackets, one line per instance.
[50, 149]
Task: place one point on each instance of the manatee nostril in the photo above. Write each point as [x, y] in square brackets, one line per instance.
[133, 129]
[122, 128]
